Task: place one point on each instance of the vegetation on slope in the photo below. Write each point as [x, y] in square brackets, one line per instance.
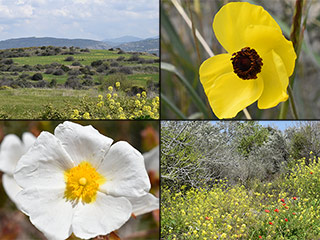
[240, 180]
[59, 68]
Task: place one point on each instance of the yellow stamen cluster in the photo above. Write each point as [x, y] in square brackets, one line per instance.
[82, 183]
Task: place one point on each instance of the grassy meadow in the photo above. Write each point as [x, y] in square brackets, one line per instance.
[85, 58]
[24, 103]
[53, 82]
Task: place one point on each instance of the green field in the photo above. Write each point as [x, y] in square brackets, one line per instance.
[28, 103]
[83, 58]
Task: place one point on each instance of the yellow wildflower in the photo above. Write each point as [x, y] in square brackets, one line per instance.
[258, 63]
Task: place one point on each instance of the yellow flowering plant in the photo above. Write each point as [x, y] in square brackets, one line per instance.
[250, 65]
[118, 107]
[258, 63]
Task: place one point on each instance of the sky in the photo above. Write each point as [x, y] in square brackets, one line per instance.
[89, 19]
[281, 125]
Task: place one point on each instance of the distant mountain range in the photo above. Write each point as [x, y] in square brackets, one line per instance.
[49, 41]
[150, 45]
[124, 39]
[127, 43]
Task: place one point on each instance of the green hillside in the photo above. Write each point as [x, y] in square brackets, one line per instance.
[48, 71]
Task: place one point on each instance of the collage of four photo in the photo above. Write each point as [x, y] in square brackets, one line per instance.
[159, 119]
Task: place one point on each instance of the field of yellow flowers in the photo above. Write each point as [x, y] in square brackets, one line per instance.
[117, 105]
[286, 208]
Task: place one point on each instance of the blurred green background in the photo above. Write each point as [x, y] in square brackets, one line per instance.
[181, 55]
[143, 135]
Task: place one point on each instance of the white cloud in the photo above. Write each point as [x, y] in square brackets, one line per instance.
[97, 19]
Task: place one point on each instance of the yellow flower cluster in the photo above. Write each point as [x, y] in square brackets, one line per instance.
[286, 208]
[117, 105]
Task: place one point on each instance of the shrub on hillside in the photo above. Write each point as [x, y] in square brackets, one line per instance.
[22, 83]
[125, 70]
[37, 76]
[58, 72]
[85, 50]
[65, 68]
[76, 64]
[7, 61]
[87, 81]
[151, 69]
[24, 75]
[74, 72]
[14, 68]
[96, 63]
[73, 82]
[103, 67]
[121, 58]
[41, 84]
[114, 64]
[142, 61]
[152, 86]
[49, 71]
[69, 59]
[134, 57]
[112, 71]
[38, 67]
[55, 64]
[53, 83]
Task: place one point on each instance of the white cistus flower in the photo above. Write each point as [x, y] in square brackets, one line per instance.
[76, 181]
[151, 159]
[11, 150]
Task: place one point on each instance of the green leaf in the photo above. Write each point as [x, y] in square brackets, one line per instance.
[171, 105]
[193, 94]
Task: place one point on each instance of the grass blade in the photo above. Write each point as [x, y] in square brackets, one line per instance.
[171, 105]
[193, 94]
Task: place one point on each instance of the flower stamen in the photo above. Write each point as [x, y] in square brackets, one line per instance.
[82, 183]
[246, 63]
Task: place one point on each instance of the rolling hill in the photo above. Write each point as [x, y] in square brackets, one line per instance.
[120, 40]
[49, 41]
[150, 45]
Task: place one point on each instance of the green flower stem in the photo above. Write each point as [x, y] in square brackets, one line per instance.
[293, 105]
[247, 114]
[296, 37]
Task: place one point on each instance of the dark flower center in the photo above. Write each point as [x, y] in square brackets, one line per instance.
[246, 63]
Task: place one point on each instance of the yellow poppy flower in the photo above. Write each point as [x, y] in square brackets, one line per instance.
[258, 63]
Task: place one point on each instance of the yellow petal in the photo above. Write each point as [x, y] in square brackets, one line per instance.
[265, 38]
[275, 81]
[229, 94]
[214, 67]
[233, 18]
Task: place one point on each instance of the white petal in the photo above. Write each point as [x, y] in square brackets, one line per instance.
[124, 170]
[28, 139]
[10, 152]
[101, 217]
[44, 164]
[48, 211]
[83, 143]
[151, 159]
[144, 204]
[11, 188]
